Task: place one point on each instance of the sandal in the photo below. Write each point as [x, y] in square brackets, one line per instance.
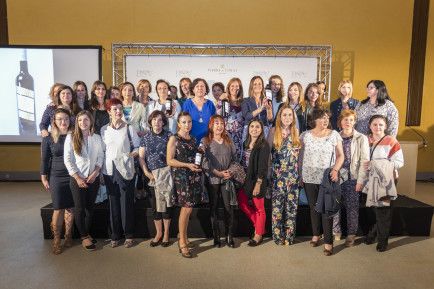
[129, 243]
[57, 241]
[115, 243]
[91, 246]
[185, 251]
[67, 242]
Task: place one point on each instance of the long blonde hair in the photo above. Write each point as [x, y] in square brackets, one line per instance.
[77, 135]
[278, 139]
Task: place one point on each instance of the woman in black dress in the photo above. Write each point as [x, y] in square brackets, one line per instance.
[55, 178]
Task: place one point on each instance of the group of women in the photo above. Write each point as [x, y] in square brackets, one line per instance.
[190, 150]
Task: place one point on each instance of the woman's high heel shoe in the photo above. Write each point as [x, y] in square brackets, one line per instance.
[185, 251]
[328, 252]
[254, 243]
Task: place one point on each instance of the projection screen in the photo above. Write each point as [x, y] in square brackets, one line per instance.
[26, 76]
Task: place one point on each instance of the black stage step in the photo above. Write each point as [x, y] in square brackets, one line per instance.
[409, 218]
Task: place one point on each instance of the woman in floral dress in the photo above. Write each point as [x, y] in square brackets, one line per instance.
[235, 120]
[285, 145]
[181, 151]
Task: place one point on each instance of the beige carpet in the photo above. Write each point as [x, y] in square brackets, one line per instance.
[26, 261]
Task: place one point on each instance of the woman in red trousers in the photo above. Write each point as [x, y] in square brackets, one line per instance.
[255, 161]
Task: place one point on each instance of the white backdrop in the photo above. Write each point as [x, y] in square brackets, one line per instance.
[219, 68]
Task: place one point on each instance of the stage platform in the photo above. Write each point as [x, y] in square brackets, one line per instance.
[409, 218]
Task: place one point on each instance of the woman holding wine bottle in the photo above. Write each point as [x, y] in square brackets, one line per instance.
[166, 104]
[229, 106]
[181, 152]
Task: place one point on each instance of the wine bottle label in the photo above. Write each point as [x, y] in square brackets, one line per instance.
[26, 103]
[198, 159]
[269, 94]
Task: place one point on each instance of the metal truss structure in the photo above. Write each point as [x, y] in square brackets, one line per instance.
[322, 52]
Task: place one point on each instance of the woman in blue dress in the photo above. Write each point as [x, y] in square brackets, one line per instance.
[199, 108]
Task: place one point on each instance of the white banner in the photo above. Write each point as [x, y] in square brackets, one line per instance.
[219, 68]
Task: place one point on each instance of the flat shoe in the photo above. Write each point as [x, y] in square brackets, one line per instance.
[91, 247]
[165, 244]
[254, 243]
[155, 244]
[314, 243]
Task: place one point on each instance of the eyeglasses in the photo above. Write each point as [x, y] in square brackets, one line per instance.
[65, 119]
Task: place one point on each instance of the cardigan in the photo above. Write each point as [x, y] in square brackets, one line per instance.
[257, 169]
[359, 154]
[92, 155]
[116, 144]
[138, 117]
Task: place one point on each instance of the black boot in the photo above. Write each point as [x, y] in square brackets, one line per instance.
[230, 241]
[371, 236]
[216, 235]
[382, 245]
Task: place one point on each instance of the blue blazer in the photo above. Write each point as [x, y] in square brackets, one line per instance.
[336, 108]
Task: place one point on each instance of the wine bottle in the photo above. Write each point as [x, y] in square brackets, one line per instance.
[25, 98]
[198, 159]
[269, 94]
[225, 108]
[168, 105]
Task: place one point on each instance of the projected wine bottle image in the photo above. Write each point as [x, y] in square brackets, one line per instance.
[25, 98]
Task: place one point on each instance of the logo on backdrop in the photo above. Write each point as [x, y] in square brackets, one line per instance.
[144, 73]
[183, 73]
[262, 73]
[298, 74]
[223, 69]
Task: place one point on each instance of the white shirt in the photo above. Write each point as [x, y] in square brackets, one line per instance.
[92, 155]
[116, 144]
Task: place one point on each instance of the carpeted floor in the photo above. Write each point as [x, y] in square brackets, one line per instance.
[26, 260]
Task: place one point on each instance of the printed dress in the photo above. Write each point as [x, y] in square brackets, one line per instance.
[285, 192]
[187, 183]
[234, 126]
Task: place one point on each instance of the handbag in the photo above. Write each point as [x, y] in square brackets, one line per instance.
[237, 172]
[229, 188]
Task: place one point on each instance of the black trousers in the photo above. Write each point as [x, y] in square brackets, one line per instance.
[121, 201]
[381, 224]
[84, 202]
[159, 215]
[319, 221]
[215, 194]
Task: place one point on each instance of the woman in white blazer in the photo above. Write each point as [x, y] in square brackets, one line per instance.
[83, 158]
